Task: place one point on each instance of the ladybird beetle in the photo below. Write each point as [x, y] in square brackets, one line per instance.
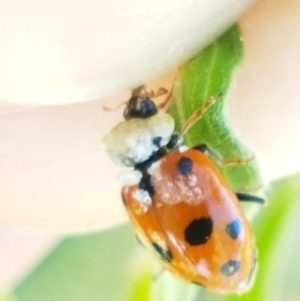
[180, 204]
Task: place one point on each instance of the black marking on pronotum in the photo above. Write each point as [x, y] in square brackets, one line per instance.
[175, 141]
[156, 141]
[144, 166]
[146, 184]
[164, 254]
[185, 165]
[198, 231]
[230, 268]
[234, 228]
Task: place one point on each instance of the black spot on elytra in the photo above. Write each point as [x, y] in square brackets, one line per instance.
[185, 165]
[146, 184]
[198, 231]
[230, 268]
[234, 228]
[165, 255]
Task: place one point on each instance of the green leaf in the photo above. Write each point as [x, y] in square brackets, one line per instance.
[209, 74]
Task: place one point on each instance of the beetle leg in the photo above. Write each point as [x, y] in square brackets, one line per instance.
[198, 114]
[245, 197]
